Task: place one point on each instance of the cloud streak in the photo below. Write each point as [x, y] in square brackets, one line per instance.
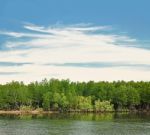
[101, 65]
[8, 73]
[5, 64]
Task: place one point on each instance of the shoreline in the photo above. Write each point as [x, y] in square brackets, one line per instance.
[17, 112]
[36, 112]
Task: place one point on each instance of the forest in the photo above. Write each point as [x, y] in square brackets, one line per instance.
[64, 95]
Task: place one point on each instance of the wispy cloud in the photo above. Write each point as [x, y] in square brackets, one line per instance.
[101, 65]
[56, 28]
[22, 35]
[4, 64]
[78, 52]
[9, 73]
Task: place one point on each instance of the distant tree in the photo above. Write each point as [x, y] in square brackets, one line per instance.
[64, 95]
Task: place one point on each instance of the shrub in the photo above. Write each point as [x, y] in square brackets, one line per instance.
[103, 106]
[26, 108]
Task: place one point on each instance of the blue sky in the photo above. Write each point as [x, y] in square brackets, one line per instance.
[113, 33]
[130, 16]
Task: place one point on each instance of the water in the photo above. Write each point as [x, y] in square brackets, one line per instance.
[75, 124]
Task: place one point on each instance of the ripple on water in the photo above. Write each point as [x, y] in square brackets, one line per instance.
[74, 125]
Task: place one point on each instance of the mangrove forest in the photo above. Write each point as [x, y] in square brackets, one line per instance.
[64, 95]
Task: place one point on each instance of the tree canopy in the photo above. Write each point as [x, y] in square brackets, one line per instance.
[65, 95]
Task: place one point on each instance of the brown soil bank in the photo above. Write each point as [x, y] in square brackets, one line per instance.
[54, 112]
[26, 112]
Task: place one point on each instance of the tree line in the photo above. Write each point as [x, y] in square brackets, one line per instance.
[64, 95]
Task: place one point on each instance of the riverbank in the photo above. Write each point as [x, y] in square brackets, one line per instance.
[27, 112]
[17, 112]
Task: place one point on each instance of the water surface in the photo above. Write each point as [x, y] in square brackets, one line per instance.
[75, 124]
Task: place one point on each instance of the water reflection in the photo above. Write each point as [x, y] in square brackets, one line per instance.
[75, 124]
[80, 116]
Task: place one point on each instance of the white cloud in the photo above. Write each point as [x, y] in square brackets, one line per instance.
[72, 44]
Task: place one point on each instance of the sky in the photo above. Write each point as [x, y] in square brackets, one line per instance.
[80, 40]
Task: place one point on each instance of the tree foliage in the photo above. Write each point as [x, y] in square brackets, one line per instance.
[63, 95]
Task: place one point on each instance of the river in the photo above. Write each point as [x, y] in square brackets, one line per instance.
[75, 124]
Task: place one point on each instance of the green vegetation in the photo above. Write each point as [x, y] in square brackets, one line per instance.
[63, 95]
[103, 106]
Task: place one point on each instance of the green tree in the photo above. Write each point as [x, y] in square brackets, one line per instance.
[46, 101]
[133, 97]
[84, 103]
[119, 97]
